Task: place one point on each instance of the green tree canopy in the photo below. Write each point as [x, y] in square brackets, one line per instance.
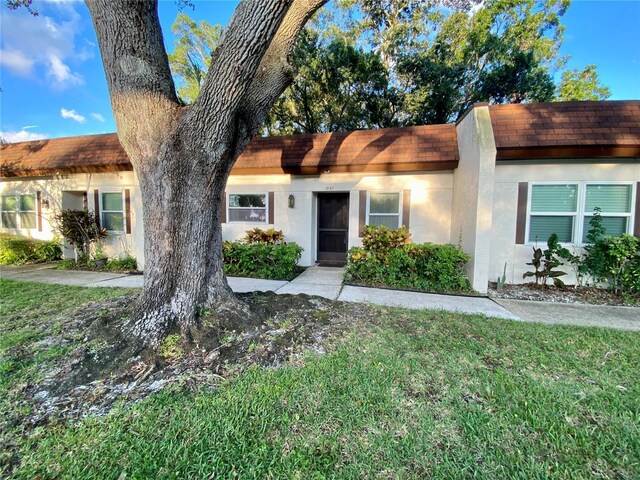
[337, 87]
[381, 63]
[582, 85]
[191, 56]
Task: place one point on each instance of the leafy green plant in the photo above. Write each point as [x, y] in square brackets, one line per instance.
[388, 259]
[502, 279]
[258, 235]
[621, 266]
[128, 262]
[544, 263]
[15, 250]
[275, 261]
[576, 261]
[594, 257]
[80, 229]
[382, 239]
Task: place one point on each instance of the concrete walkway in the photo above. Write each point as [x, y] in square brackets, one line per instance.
[623, 318]
[327, 282]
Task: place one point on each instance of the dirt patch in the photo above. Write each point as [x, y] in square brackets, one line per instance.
[570, 294]
[99, 370]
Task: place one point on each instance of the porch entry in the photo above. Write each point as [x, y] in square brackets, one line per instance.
[333, 228]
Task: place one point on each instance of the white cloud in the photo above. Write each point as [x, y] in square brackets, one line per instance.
[98, 117]
[17, 62]
[73, 115]
[22, 136]
[29, 126]
[61, 73]
[49, 49]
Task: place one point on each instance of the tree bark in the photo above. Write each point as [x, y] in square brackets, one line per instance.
[182, 156]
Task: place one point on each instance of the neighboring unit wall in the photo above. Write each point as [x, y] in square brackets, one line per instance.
[52, 188]
[430, 208]
[504, 248]
[473, 193]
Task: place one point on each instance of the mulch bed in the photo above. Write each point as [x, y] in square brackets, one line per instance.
[570, 294]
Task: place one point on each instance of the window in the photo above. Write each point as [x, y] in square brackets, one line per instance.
[384, 209]
[615, 205]
[553, 210]
[247, 207]
[565, 209]
[18, 211]
[112, 211]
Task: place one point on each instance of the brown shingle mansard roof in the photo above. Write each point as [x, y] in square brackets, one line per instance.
[564, 130]
[432, 147]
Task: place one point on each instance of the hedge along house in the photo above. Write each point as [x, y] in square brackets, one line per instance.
[498, 182]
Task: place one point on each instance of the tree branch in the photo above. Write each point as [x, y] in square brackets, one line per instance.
[137, 71]
[132, 47]
[275, 73]
[234, 63]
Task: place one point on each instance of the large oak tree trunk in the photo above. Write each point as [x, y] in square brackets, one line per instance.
[183, 155]
[183, 245]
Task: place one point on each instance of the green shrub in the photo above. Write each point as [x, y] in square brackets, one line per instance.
[611, 260]
[387, 259]
[382, 239]
[16, 250]
[621, 263]
[80, 229]
[261, 260]
[127, 263]
[258, 235]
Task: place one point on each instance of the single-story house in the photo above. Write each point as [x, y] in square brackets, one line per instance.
[497, 182]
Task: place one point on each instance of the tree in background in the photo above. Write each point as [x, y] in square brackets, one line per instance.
[191, 57]
[381, 63]
[582, 85]
[338, 87]
[503, 52]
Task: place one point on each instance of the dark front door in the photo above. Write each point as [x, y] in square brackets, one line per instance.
[333, 227]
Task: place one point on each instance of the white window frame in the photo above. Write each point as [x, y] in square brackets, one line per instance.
[18, 211]
[399, 214]
[581, 213]
[584, 214]
[266, 208]
[123, 211]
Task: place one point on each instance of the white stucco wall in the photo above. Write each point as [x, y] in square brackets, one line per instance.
[431, 197]
[507, 176]
[116, 244]
[471, 215]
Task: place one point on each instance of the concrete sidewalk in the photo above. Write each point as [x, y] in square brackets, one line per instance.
[327, 282]
[48, 274]
[623, 318]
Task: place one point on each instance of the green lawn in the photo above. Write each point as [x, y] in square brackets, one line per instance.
[417, 395]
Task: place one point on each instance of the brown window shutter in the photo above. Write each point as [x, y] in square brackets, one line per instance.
[223, 213]
[521, 221]
[127, 210]
[271, 208]
[362, 218]
[406, 208]
[39, 209]
[96, 205]
[636, 226]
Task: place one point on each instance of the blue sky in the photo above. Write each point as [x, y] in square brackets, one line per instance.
[53, 84]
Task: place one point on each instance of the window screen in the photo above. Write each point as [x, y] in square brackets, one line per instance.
[553, 210]
[247, 208]
[113, 211]
[384, 209]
